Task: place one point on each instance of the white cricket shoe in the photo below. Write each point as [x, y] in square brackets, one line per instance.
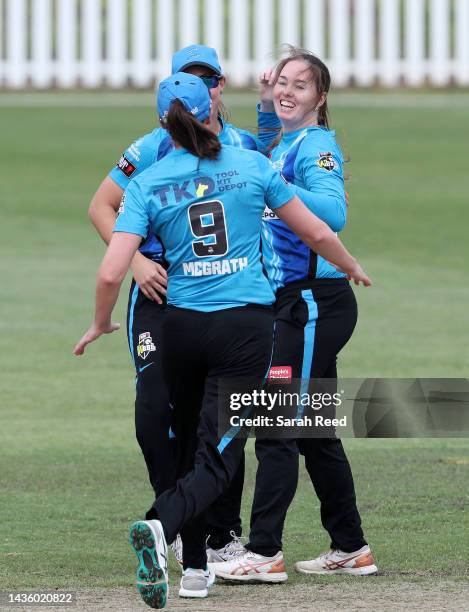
[149, 543]
[196, 582]
[358, 563]
[251, 567]
[233, 549]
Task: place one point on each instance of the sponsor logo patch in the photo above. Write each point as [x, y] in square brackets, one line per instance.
[126, 166]
[269, 215]
[145, 345]
[280, 373]
[326, 161]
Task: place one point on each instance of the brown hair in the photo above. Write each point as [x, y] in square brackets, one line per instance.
[319, 74]
[190, 133]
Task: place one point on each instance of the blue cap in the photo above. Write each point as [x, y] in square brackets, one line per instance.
[187, 88]
[196, 55]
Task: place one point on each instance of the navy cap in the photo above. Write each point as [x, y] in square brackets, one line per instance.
[187, 88]
[196, 55]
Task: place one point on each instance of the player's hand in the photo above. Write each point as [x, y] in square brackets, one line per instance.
[266, 88]
[93, 334]
[151, 277]
[358, 275]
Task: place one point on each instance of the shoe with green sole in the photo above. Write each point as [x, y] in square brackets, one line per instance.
[149, 543]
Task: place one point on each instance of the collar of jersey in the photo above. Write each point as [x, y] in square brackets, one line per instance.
[291, 136]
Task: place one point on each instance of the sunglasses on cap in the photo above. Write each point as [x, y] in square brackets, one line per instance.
[211, 81]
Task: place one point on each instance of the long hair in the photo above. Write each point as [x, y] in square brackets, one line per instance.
[190, 133]
[318, 72]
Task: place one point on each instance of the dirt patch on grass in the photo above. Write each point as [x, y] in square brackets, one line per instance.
[362, 594]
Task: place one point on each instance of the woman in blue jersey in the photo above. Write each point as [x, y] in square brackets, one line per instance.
[145, 307]
[219, 320]
[315, 314]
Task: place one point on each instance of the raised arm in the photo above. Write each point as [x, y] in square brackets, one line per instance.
[268, 124]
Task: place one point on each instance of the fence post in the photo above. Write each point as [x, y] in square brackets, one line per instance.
[389, 42]
[213, 27]
[364, 42]
[289, 22]
[264, 36]
[339, 39]
[238, 36]
[41, 43]
[164, 36]
[462, 42]
[188, 23]
[15, 73]
[66, 44]
[142, 75]
[314, 27]
[439, 42]
[91, 66]
[414, 42]
[116, 42]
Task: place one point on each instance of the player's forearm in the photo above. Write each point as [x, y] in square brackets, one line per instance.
[325, 243]
[107, 292]
[315, 233]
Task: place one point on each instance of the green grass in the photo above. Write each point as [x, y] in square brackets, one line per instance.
[71, 469]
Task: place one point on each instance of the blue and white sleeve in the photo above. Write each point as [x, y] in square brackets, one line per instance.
[136, 158]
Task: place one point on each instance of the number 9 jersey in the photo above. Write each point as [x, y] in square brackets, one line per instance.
[208, 215]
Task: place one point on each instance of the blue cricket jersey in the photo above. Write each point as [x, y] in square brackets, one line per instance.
[312, 161]
[208, 216]
[157, 144]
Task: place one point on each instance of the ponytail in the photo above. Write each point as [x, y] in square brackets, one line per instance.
[190, 133]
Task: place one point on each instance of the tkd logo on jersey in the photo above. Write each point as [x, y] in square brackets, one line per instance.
[145, 345]
[189, 190]
[326, 161]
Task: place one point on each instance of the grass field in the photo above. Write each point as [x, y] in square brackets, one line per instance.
[72, 477]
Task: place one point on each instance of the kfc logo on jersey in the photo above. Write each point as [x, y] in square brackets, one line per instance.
[145, 345]
[326, 161]
[126, 166]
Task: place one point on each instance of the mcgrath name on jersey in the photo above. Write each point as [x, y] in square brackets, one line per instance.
[208, 268]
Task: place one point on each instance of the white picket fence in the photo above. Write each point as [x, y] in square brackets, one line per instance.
[121, 43]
